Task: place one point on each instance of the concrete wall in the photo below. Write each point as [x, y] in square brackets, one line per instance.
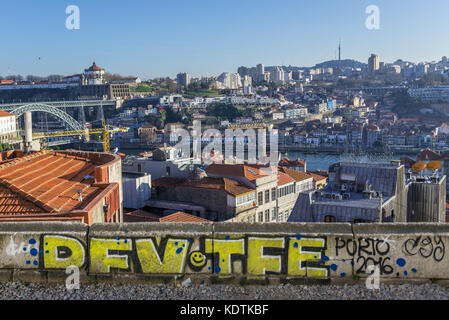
[214, 200]
[136, 189]
[285, 252]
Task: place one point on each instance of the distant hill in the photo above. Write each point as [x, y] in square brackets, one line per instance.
[348, 63]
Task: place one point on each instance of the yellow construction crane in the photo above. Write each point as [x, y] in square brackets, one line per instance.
[106, 130]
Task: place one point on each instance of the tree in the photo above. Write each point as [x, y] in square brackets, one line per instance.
[223, 111]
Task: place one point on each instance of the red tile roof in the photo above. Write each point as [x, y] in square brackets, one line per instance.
[140, 216]
[297, 175]
[427, 154]
[182, 217]
[46, 182]
[4, 113]
[248, 171]
[286, 162]
[144, 216]
[284, 178]
[12, 204]
[230, 186]
[317, 177]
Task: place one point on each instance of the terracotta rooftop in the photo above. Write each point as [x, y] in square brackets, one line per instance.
[46, 182]
[140, 216]
[427, 154]
[296, 175]
[284, 178]
[236, 188]
[317, 177]
[248, 171]
[4, 113]
[182, 217]
[230, 186]
[286, 162]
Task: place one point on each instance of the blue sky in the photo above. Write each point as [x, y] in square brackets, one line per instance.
[153, 38]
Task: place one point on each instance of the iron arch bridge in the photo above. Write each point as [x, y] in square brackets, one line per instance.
[64, 116]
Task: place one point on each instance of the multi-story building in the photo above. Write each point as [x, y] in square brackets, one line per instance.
[257, 177]
[8, 128]
[432, 94]
[164, 162]
[183, 80]
[373, 63]
[216, 199]
[230, 80]
[361, 192]
[277, 75]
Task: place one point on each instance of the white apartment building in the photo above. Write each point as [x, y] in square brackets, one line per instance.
[433, 94]
[8, 127]
[277, 75]
[296, 112]
[230, 80]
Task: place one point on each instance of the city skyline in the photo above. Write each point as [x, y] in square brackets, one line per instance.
[165, 39]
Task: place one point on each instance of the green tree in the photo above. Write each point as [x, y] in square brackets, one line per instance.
[223, 111]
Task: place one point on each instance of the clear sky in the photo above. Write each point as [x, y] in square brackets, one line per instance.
[153, 38]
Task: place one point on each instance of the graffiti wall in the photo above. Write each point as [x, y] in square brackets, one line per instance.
[254, 251]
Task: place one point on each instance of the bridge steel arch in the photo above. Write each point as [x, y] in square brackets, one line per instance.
[64, 116]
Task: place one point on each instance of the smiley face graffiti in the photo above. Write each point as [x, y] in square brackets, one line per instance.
[197, 260]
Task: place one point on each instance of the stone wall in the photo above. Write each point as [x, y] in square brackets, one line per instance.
[223, 252]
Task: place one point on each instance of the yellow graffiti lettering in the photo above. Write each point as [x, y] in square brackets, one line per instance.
[60, 252]
[224, 248]
[297, 255]
[258, 262]
[171, 261]
[101, 258]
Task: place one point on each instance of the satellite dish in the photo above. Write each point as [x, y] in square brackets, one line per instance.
[419, 166]
[434, 165]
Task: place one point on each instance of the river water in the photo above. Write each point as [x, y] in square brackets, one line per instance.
[322, 161]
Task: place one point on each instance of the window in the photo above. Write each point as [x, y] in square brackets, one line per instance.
[280, 217]
[260, 198]
[267, 196]
[168, 171]
[273, 194]
[267, 215]
[260, 217]
[273, 214]
[330, 218]
[249, 197]
[139, 167]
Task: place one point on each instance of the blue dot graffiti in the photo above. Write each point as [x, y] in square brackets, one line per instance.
[400, 262]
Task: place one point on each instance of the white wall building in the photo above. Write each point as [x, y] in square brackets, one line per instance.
[8, 127]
